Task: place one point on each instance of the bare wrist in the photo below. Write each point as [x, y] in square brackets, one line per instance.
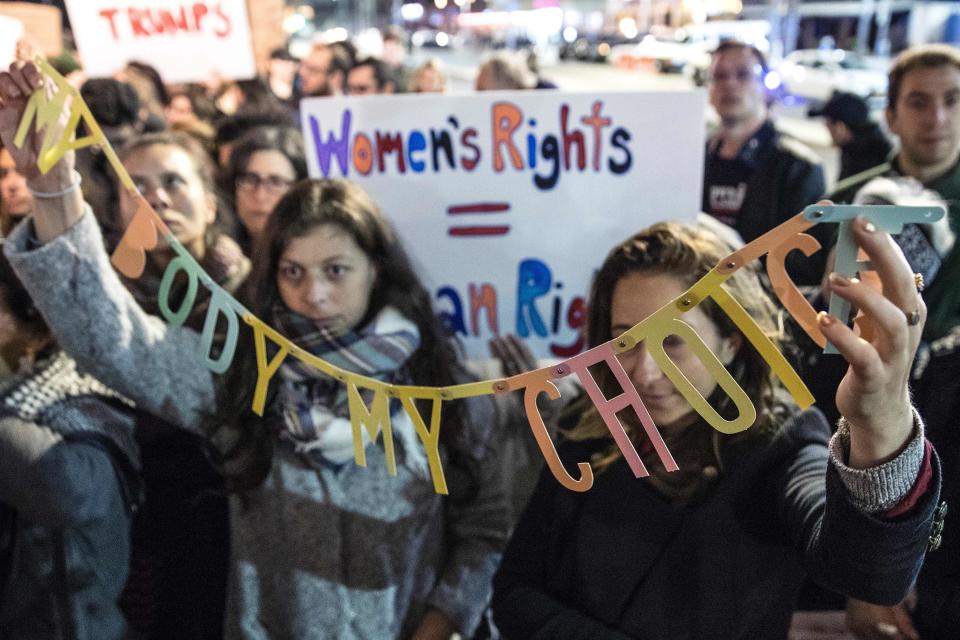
[879, 443]
[59, 178]
[61, 192]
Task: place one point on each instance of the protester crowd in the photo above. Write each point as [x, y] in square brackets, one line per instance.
[142, 498]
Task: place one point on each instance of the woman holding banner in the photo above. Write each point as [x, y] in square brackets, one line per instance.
[718, 549]
[320, 547]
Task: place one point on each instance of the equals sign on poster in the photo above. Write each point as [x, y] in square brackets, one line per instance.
[478, 208]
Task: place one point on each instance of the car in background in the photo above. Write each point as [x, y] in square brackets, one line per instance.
[665, 54]
[594, 47]
[431, 39]
[687, 49]
[814, 74]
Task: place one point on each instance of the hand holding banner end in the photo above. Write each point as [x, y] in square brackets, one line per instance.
[51, 114]
[887, 218]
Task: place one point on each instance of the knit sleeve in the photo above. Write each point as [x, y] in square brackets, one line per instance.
[98, 322]
[50, 481]
[878, 488]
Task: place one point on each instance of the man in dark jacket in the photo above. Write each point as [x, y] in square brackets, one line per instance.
[923, 109]
[862, 144]
[754, 177]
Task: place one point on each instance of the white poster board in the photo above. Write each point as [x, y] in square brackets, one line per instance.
[185, 41]
[11, 30]
[508, 202]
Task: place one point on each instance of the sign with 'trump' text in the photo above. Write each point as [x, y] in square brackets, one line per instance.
[508, 202]
[186, 40]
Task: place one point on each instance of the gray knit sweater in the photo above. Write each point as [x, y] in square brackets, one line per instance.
[351, 553]
[72, 493]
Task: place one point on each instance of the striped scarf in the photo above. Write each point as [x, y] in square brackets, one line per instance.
[314, 407]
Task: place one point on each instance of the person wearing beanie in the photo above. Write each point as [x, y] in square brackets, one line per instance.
[862, 144]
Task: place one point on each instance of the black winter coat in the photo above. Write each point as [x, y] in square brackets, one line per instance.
[619, 561]
[786, 178]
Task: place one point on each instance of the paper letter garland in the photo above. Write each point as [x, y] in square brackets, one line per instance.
[141, 235]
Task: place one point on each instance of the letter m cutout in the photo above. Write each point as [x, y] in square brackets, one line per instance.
[374, 420]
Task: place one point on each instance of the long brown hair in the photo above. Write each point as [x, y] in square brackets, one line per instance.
[308, 205]
[686, 252]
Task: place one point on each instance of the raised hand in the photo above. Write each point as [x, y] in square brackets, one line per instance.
[514, 356]
[873, 396]
[58, 203]
[16, 86]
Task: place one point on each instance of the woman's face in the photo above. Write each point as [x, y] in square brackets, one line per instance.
[636, 296]
[325, 276]
[267, 177]
[167, 177]
[180, 109]
[429, 80]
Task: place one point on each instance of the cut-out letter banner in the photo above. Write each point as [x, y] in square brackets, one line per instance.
[373, 422]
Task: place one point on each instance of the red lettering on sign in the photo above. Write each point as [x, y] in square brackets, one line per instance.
[199, 11]
[136, 22]
[172, 23]
[226, 28]
[109, 15]
[187, 18]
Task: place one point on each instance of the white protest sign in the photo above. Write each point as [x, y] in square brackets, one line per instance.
[11, 30]
[508, 202]
[186, 40]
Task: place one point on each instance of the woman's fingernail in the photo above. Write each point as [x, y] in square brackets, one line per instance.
[825, 319]
[869, 227]
[839, 280]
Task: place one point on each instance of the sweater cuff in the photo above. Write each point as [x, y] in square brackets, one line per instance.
[878, 489]
[23, 237]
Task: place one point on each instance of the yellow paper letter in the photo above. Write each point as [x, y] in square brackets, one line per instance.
[265, 370]
[374, 420]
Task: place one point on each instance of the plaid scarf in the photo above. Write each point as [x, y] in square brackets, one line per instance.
[313, 407]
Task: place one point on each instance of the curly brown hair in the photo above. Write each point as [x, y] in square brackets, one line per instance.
[687, 252]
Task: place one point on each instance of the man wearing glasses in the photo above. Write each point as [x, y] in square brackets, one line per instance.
[754, 177]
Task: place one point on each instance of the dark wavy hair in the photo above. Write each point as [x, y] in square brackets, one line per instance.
[17, 299]
[308, 205]
[686, 252]
[286, 140]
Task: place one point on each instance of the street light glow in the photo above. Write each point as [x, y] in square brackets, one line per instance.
[628, 27]
[411, 11]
